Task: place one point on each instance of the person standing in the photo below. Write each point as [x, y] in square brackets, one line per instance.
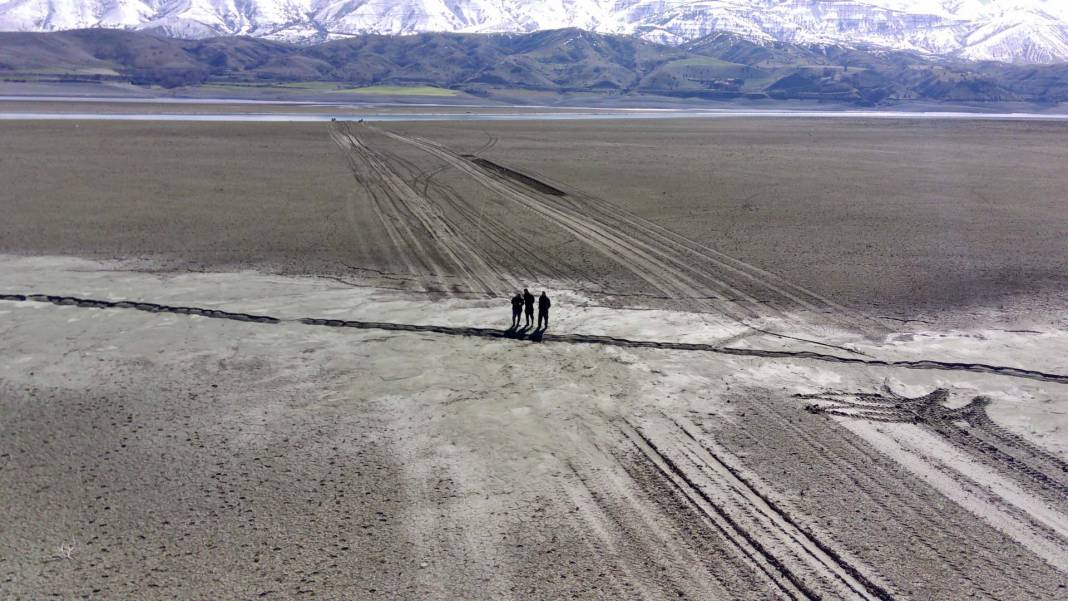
[528, 303]
[543, 309]
[517, 309]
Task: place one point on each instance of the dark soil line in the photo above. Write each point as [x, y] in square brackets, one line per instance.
[522, 178]
[1012, 372]
[149, 307]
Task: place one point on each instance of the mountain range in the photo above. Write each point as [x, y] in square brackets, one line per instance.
[517, 67]
[1012, 31]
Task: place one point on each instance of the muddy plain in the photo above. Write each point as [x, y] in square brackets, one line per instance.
[789, 359]
[907, 216]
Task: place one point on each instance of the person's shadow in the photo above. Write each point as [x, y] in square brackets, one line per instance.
[536, 335]
[516, 331]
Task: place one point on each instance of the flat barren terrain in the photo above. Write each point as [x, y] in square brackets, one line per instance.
[899, 216]
[246, 436]
[200, 195]
[788, 359]
[903, 215]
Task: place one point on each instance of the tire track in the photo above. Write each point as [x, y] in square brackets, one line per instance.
[507, 241]
[795, 296]
[630, 505]
[793, 546]
[700, 265]
[754, 275]
[983, 438]
[971, 485]
[423, 206]
[394, 223]
[817, 550]
[789, 583]
[631, 537]
[1012, 372]
[734, 513]
[1017, 491]
[916, 516]
[989, 428]
[491, 142]
[504, 240]
[664, 271]
[392, 200]
[412, 210]
[1040, 471]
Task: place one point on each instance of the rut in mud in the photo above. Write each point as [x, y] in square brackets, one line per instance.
[1025, 486]
[527, 209]
[968, 427]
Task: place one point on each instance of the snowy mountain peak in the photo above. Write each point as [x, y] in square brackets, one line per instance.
[1030, 31]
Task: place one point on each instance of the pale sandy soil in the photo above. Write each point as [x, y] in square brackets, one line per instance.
[177, 455]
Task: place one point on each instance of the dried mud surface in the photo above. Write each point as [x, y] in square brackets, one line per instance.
[696, 423]
[904, 218]
[900, 216]
[226, 448]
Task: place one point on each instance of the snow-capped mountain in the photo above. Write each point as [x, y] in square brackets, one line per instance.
[1028, 31]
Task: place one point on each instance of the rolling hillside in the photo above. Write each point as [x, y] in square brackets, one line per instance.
[719, 66]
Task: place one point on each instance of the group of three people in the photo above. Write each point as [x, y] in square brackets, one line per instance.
[526, 301]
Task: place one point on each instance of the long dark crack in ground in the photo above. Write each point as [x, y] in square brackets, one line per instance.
[540, 336]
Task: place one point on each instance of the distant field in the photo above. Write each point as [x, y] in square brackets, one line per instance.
[400, 91]
[330, 87]
[896, 216]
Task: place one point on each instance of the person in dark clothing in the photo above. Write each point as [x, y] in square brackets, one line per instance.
[528, 303]
[517, 309]
[543, 310]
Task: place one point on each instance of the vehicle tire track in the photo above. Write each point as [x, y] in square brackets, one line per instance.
[399, 205]
[713, 266]
[1016, 493]
[630, 501]
[752, 549]
[682, 272]
[393, 222]
[909, 511]
[664, 271]
[792, 544]
[416, 197]
[530, 265]
[402, 199]
[510, 242]
[801, 296]
[1029, 465]
[630, 537]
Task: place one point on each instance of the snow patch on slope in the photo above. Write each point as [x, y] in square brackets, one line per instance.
[1034, 31]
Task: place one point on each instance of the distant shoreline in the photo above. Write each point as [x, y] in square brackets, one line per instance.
[620, 114]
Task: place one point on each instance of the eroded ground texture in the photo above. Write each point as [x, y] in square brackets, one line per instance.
[324, 399]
